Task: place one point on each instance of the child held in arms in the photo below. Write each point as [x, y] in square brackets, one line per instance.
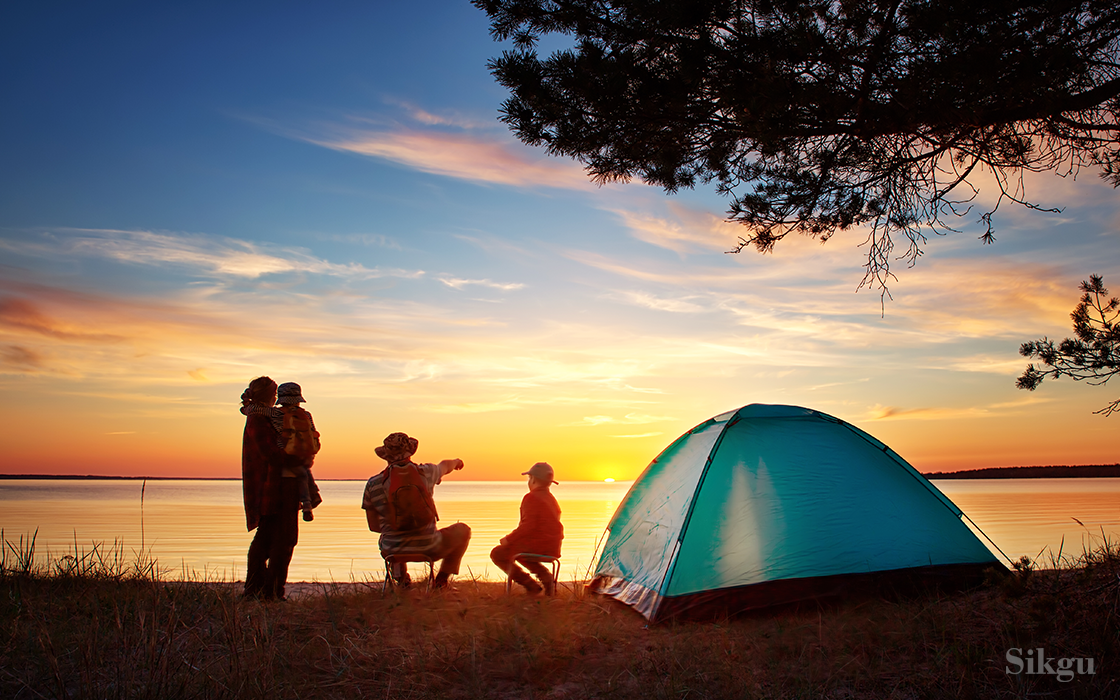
[296, 435]
[538, 532]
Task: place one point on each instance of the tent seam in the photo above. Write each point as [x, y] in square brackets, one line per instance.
[913, 473]
[663, 586]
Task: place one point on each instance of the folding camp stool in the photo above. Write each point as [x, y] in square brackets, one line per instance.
[404, 559]
[542, 558]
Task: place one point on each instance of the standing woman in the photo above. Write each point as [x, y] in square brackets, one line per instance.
[271, 492]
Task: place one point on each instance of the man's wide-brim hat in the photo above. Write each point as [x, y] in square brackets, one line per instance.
[398, 447]
[289, 392]
[542, 471]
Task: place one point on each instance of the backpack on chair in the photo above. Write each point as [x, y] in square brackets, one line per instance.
[300, 439]
[409, 503]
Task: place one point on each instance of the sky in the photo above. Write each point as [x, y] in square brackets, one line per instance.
[195, 194]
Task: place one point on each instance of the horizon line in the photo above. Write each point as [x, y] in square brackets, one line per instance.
[74, 477]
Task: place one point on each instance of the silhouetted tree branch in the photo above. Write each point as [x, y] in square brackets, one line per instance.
[818, 116]
[1093, 356]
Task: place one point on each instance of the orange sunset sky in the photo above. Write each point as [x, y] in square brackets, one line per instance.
[194, 196]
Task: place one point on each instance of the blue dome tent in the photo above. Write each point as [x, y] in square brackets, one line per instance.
[773, 504]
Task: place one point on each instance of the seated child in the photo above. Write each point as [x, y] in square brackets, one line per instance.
[297, 435]
[538, 532]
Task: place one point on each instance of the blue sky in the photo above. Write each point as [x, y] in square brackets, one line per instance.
[194, 195]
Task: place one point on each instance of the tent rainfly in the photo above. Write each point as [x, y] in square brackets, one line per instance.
[769, 505]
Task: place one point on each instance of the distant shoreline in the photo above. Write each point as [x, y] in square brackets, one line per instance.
[1085, 471]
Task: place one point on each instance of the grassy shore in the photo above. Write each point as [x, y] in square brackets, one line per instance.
[103, 625]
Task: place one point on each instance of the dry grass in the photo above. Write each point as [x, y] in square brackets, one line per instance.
[123, 633]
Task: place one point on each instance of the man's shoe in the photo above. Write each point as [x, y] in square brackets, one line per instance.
[531, 587]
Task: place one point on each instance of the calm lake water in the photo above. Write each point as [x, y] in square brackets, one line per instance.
[197, 528]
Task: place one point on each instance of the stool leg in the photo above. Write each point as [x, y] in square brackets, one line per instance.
[388, 579]
[391, 582]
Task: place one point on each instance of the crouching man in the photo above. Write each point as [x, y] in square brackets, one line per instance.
[398, 504]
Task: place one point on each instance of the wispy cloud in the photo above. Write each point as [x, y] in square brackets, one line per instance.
[209, 255]
[236, 258]
[212, 334]
[21, 359]
[684, 231]
[805, 292]
[471, 157]
[1004, 363]
[1072, 195]
[459, 283]
[19, 314]
[879, 412]
[452, 118]
[657, 303]
[628, 419]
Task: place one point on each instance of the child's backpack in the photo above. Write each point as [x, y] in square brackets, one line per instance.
[300, 439]
[410, 505]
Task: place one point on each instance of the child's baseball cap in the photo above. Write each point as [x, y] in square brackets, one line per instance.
[542, 471]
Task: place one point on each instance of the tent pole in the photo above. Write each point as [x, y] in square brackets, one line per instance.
[691, 507]
[965, 515]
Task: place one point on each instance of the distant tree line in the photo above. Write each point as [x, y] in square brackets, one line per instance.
[1083, 471]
